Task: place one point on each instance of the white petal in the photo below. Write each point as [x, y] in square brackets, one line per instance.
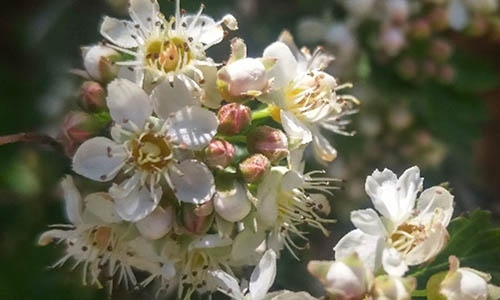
[297, 132]
[205, 29]
[157, 224]
[209, 241]
[132, 74]
[193, 182]
[267, 207]
[119, 32]
[436, 239]
[245, 246]
[99, 159]
[323, 150]
[210, 96]
[263, 275]
[435, 203]
[368, 247]
[368, 221]
[72, 200]
[393, 262]
[192, 127]
[102, 206]
[457, 15]
[170, 98]
[51, 236]
[227, 284]
[144, 12]
[232, 204]
[136, 205]
[285, 69]
[128, 102]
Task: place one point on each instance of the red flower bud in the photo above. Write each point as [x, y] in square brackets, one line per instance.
[234, 118]
[254, 168]
[92, 96]
[269, 141]
[219, 154]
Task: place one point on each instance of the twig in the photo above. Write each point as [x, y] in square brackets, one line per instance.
[31, 137]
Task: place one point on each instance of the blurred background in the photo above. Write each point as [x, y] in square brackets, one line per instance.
[426, 73]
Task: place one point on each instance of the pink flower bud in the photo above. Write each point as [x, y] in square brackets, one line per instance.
[92, 96]
[243, 76]
[234, 118]
[440, 50]
[219, 154]
[77, 127]
[421, 29]
[269, 141]
[392, 40]
[99, 63]
[254, 168]
[193, 220]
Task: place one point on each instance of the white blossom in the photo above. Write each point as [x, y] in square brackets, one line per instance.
[410, 231]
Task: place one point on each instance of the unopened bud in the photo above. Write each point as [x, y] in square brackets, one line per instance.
[440, 50]
[92, 96]
[392, 287]
[438, 18]
[269, 141]
[446, 74]
[99, 61]
[254, 168]
[234, 118]
[77, 128]
[195, 223]
[219, 154]
[398, 10]
[392, 40]
[156, 224]
[464, 283]
[232, 203]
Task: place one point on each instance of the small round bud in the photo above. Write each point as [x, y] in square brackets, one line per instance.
[193, 220]
[243, 76]
[440, 50]
[232, 204]
[156, 224]
[392, 40]
[219, 154]
[269, 141]
[99, 63]
[254, 168]
[77, 128]
[92, 96]
[392, 287]
[446, 74]
[421, 29]
[398, 10]
[234, 118]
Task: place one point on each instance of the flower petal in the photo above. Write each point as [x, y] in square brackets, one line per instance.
[368, 221]
[285, 69]
[209, 241]
[72, 200]
[267, 207]
[205, 28]
[192, 182]
[435, 204]
[144, 12]
[436, 239]
[119, 32]
[245, 244]
[99, 159]
[227, 284]
[210, 96]
[102, 206]
[169, 98]
[137, 204]
[323, 150]
[263, 276]
[192, 127]
[297, 132]
[232, 204]
[393, 262]
[128, 102]
[368, 247]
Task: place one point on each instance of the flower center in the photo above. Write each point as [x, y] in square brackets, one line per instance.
[310, 97]
[151, 152]
[168, 55]
[407, 236]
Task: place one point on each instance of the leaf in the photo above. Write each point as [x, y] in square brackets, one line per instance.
[472, 75]
[475, 242]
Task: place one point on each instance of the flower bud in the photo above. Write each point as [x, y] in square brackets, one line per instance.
[394, 288]
[392, 40]
[440, 50]
[92, 96]
[99, 61]
[446, 74]
[219, 154]
[438, 18]
[156, 224]
[234, 118]
[464, 283]
[421, 29]
[232, 204]
[77, 128]
[398, 10]
[254, 168]
[194, 220]
[243, 78]
[344, 279]
[269, 141]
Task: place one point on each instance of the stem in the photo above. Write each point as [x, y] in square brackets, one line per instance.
[419, 293]
[261, 114]
[31, 137]
[233, 138]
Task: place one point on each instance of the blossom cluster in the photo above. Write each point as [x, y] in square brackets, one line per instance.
[200, 163]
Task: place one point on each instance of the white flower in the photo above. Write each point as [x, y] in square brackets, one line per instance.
[147, 148]
[303, 97]
[232, 203]
[464, 283]
[410, 231]
[261, 280]
[393, 287]
[166, 49]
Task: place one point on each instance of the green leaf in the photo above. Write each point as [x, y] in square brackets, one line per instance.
[472, 75]
[475, 242]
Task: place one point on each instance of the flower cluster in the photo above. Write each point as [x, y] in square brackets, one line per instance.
[194, 183]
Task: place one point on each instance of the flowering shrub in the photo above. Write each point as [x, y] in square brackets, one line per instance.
[199, 170]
